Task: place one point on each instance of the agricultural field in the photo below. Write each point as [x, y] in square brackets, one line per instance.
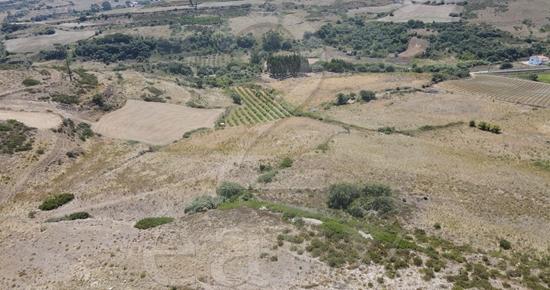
[32, 119]
[257, 144]
[154, 123]
[322, 88]
[258, 106]
[520, 17]
[40, 42]
[504, 89]
[426, 13]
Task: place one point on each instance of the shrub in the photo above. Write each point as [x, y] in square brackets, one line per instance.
[56, 201]
[236, 98]
[267, 177]
[374, 189]
[28, 82]
[342, 99]
[228, 190]
[367, 96]
[15, 137]
[265, 167]
[387, 130]
[506, 65]
[472, 123]
[152, 222]
[81, 215]
[65, 99]
[382, 204]
[533, 77]
[341, 195]
[203, 203]
[505, 244]
[286, 162]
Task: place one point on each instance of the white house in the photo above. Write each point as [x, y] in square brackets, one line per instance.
[538, 60]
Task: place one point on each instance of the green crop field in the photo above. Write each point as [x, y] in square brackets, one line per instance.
[258, 106]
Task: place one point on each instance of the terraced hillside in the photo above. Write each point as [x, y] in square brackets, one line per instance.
[504, 89]
[258, 106]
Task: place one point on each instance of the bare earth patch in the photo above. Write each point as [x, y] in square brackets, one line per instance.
[154, 123]
[37, 120]
[416, 47]
[41, 42]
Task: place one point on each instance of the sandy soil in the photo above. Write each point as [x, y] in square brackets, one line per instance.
[37, 43]
[154, 123]
[33, 119]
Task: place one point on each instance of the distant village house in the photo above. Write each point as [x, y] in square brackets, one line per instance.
[538, 60]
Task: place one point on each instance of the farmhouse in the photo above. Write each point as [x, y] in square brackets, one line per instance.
[538, 60]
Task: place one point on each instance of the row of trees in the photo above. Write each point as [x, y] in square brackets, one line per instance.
[283, 66]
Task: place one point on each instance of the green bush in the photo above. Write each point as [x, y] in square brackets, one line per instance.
[28, 82]
[56, 201]
[152, 222]
[341, 195]
[367, 96]
[65, 99]
[505, 244]
[15, 137]
[267, 177]
[203, 203]
[472, 123]
[229, 190]
[375, 189]
[286, 163]
[81, 215]
[387, 130]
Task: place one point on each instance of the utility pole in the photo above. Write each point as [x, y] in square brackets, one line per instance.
[68, 64]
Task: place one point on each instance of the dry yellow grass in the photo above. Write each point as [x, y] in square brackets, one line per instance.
[320, 88]
[154, 123]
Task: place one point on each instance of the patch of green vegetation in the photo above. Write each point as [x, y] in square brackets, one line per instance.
[83, 130]
[267, 177]
[56, 201]
[65, 99]
[86, 79]
[203, 203]
[28, 82]
[484, 126]
[152, 222]
[387, 130]
[188, 134]
[15, 137]
[81, 215]
[286, 163]
[542, 164]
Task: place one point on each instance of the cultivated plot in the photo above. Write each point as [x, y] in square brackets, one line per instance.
[504, 89]
[154, 123]
[257, 107]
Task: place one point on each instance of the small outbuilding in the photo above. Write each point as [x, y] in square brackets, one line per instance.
[538, 60]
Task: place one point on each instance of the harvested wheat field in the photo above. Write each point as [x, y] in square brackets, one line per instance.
[426, 13]
[321, 88]
[154, 123]
[41, 42]
[37, 120]
[504, 89]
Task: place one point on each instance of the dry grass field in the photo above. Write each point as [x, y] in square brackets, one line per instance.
[504, 89]
[426, 13]
[522, 17]
[40, 42]
[321, 88]
[33, 119]
[154, 123]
